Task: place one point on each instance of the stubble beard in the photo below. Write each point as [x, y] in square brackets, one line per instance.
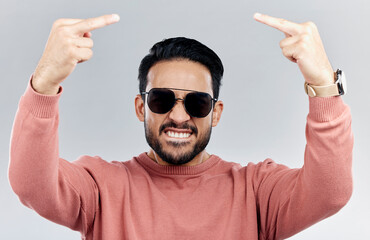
[178, 159]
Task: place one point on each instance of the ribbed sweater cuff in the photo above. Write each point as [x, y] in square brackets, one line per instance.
[325, 109]
[41, 105]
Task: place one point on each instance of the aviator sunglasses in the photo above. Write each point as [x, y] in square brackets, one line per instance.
[162, 100]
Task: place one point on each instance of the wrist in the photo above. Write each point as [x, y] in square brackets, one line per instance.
[42, 87]
[328, 80]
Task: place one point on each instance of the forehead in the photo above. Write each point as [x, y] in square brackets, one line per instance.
[182, 74]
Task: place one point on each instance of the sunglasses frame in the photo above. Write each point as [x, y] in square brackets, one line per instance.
[213, 100]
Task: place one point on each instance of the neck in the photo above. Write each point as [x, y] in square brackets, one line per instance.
[198, 159]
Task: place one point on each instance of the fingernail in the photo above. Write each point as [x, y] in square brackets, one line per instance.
[257, 15]
[115, 17]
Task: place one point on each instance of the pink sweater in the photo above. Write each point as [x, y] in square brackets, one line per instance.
[139, 199]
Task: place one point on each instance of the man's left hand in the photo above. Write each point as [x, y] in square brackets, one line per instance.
[303, 46]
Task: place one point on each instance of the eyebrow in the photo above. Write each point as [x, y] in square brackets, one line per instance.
[180, 89]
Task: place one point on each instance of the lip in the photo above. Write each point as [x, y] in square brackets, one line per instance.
[177, 130]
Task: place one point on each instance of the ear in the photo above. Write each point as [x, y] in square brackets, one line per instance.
[139, 107]
[217, 111]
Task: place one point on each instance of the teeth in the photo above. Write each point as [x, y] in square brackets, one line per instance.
[178, 135]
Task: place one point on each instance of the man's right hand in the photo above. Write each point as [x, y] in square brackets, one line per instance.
[69, 43]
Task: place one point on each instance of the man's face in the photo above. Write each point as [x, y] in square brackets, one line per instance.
[176, 137]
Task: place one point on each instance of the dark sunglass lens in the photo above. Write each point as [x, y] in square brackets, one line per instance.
[160, 100]
[198, 104]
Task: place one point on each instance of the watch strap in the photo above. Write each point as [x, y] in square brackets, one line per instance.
[321, 91]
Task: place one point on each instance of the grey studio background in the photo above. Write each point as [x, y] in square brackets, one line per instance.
[265, 104]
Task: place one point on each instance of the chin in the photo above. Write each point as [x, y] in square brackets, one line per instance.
[176, 155]
[177, 152]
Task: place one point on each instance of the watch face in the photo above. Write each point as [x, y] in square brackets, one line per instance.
[344, 83]
[341, 82]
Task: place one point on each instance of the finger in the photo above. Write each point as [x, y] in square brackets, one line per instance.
[83, 42]
[83, 54]
[66, 21]
[90, 24]
[280, 24]
[290, 53]
[289, 41]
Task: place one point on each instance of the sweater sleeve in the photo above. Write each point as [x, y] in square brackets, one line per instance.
[58, 190]
[290, 200]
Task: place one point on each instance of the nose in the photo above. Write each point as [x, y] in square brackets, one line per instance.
[178, 113]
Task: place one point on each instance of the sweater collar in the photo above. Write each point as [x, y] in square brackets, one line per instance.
[149, 164]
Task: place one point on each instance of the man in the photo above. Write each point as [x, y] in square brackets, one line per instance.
[177, 190]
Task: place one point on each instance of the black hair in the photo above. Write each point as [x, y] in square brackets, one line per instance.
[182, 48]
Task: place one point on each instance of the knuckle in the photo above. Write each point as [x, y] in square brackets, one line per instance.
[282, 43]
[58, 22]
[105, 19]
[283, 21]
[63, 30]
[311, 24]
[284, 51]
[69, 42]
[70, 51]
[90, 23]
[91, 42]
[309, 27]
[303, 45]
[89, 53]
[305, 37]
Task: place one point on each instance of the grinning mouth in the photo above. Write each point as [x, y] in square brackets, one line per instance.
[178, 131]
[177, 134]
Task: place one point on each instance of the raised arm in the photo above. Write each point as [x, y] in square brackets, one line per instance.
[58, 190]
[290, 200]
